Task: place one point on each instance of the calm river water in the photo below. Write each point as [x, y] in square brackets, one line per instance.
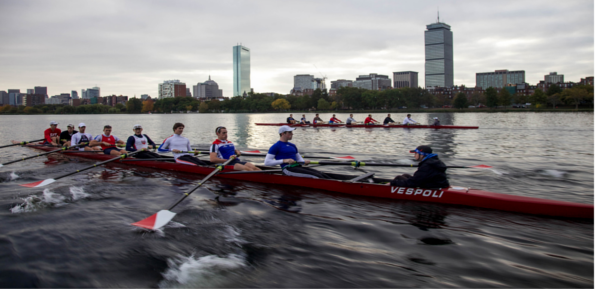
[76, 233]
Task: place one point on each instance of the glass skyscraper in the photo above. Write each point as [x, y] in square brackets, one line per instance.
[241, 70]
[439, 63]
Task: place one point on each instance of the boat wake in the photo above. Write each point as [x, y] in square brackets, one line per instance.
[202, 272]
[48, 198]
[553, 172]
[13, 176]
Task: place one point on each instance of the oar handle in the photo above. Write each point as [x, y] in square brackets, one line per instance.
[218, 169]
[97, 164]
[21, 143]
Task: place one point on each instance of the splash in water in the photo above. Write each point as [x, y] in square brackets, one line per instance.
[33, 202]
[204, 272]
[13, 176]
[78, 193]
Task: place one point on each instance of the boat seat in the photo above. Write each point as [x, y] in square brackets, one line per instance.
[364, 176]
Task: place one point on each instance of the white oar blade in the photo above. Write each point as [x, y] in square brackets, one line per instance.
[345, 158]
[156, 221]
[39, 183]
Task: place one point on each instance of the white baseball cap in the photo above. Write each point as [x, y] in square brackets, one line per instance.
[435, 118]
[137, 126]
[285, 128]
[53, 123]
[82, 125]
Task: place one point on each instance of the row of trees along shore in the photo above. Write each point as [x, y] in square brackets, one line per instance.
[348, 98]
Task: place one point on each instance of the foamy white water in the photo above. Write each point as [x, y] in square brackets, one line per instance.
[202, 272]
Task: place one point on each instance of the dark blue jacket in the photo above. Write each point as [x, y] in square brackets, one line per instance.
[431, 173]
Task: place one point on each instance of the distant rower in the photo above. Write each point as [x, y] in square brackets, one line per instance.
[370, 121]
[409, 121]
[334, 120]
[317, 119]
[290, 119]
[388, 120]
[286, 154]
[351, 120]
[436, 122]
[303, 120]
[431, 172]
[222, 150]
[83, 138]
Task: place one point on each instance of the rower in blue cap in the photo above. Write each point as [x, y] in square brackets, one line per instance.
[431, 172]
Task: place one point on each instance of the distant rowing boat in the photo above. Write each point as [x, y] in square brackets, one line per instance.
[367, 185]
[370, 126]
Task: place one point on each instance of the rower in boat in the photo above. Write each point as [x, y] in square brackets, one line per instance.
[409, 121]
[388, 120]
[178, 144]
[431, 171]
[286, 154]
[370, 121]
[81, 138]
[291, 120]
[351, 120]
[436, 122]
[66, 136]
[334, 120]
[108, 142]
[222, 150]
[52, 134]
[142, 142]
[317, 119]
[303, 120]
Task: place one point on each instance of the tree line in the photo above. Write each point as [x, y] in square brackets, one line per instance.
[349, 98]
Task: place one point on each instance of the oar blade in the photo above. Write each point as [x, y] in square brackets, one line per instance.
[39, 183]
[345, 157]
[156, 221]
[480, 166]
[251, 151]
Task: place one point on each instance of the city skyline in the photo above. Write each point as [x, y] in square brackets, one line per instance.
[127, 48]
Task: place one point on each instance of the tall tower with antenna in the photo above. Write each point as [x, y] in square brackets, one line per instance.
[439, 69]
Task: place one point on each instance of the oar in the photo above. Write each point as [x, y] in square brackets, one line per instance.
[21, 143]
[161, 218]
[358, 164]
[42, 154]
[257, 153]
[52, 180]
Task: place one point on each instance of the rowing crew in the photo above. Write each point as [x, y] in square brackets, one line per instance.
[368, 121]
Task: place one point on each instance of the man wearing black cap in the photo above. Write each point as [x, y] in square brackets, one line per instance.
[431, 172]
[65, 136]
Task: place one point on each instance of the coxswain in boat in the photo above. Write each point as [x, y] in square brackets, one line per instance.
[178, 144]
[291, 120]
[222, 150]
[409, 121]
[108, 142]
[334, 120]
[436, 122]
[286, 154]
[66, 136]
[388, 120]
[52, 135]
[350, 120]
[369, 120]
[431, 171]
[303, 120]
[142, 142]
[317, 119]
[83, 138]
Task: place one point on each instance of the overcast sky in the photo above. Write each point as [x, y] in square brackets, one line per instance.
[129, 47]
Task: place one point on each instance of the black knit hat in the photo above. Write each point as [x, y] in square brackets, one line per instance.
[423, 148]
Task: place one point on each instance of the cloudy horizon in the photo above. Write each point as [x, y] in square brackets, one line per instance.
[129, 47]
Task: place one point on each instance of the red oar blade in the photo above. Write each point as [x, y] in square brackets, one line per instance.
[252, 151]
[480, 166]
[156, 221]
[39, 183]
[345, 157]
